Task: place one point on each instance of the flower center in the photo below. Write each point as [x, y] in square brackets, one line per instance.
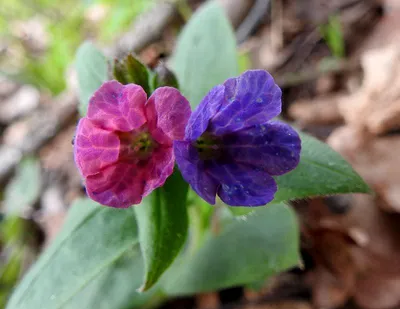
[208, 146]
[136, 145]
[142, 143]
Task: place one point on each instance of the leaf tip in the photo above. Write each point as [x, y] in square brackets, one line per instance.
[145, 286]
[368, 189]
[300, 264]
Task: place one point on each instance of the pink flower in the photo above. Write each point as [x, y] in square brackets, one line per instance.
[124, 146]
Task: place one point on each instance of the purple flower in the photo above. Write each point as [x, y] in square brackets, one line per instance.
[124, 146]
[231, 146]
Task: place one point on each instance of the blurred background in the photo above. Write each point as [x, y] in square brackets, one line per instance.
[338, 63]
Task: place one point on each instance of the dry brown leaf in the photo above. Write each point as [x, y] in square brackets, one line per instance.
[374, 106]
[387, 31]
[355, 253]
[334, 276]
[375, 291]
[378, 98]
[328, 290]
[376, 159]
[207, 301]
[323, 110]
[289, 304]
[369, 229]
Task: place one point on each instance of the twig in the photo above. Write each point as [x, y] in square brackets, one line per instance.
[29, 134]
[146, 29]
[253, 18]
[323, 68]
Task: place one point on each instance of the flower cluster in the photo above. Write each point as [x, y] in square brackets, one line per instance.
[229, 146]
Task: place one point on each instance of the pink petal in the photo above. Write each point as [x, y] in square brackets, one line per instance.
[120, 185]
[125, 184]
[168, 111]
[159, 167]
[94, 148]
[117, 107]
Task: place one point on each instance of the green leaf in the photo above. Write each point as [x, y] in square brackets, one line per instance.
[321, 171]
[24, 188]
[88, 255]
[131, 70]
[115, 286]
[205, 53]
[91, 67]
[247, 249]
[163, 225]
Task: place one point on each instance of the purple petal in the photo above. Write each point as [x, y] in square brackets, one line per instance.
[252, 98]
[168, 110]
[207, 108]
[194, 171]
[242, 185]
[273, 147]
[94, 148]
[117, 107]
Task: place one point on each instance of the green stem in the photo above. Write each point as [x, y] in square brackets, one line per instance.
[156, 301]
[184, 9]
[196, 228]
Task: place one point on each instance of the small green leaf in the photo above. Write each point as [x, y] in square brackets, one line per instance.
[247, 249]
[333, 35]
[164, 77]
[321, 171]
[244, 61]
[24, 188]
[91, 67]
[92, 244]
[131, 70]
[205, 53]
[10, 270]
[163, 225]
